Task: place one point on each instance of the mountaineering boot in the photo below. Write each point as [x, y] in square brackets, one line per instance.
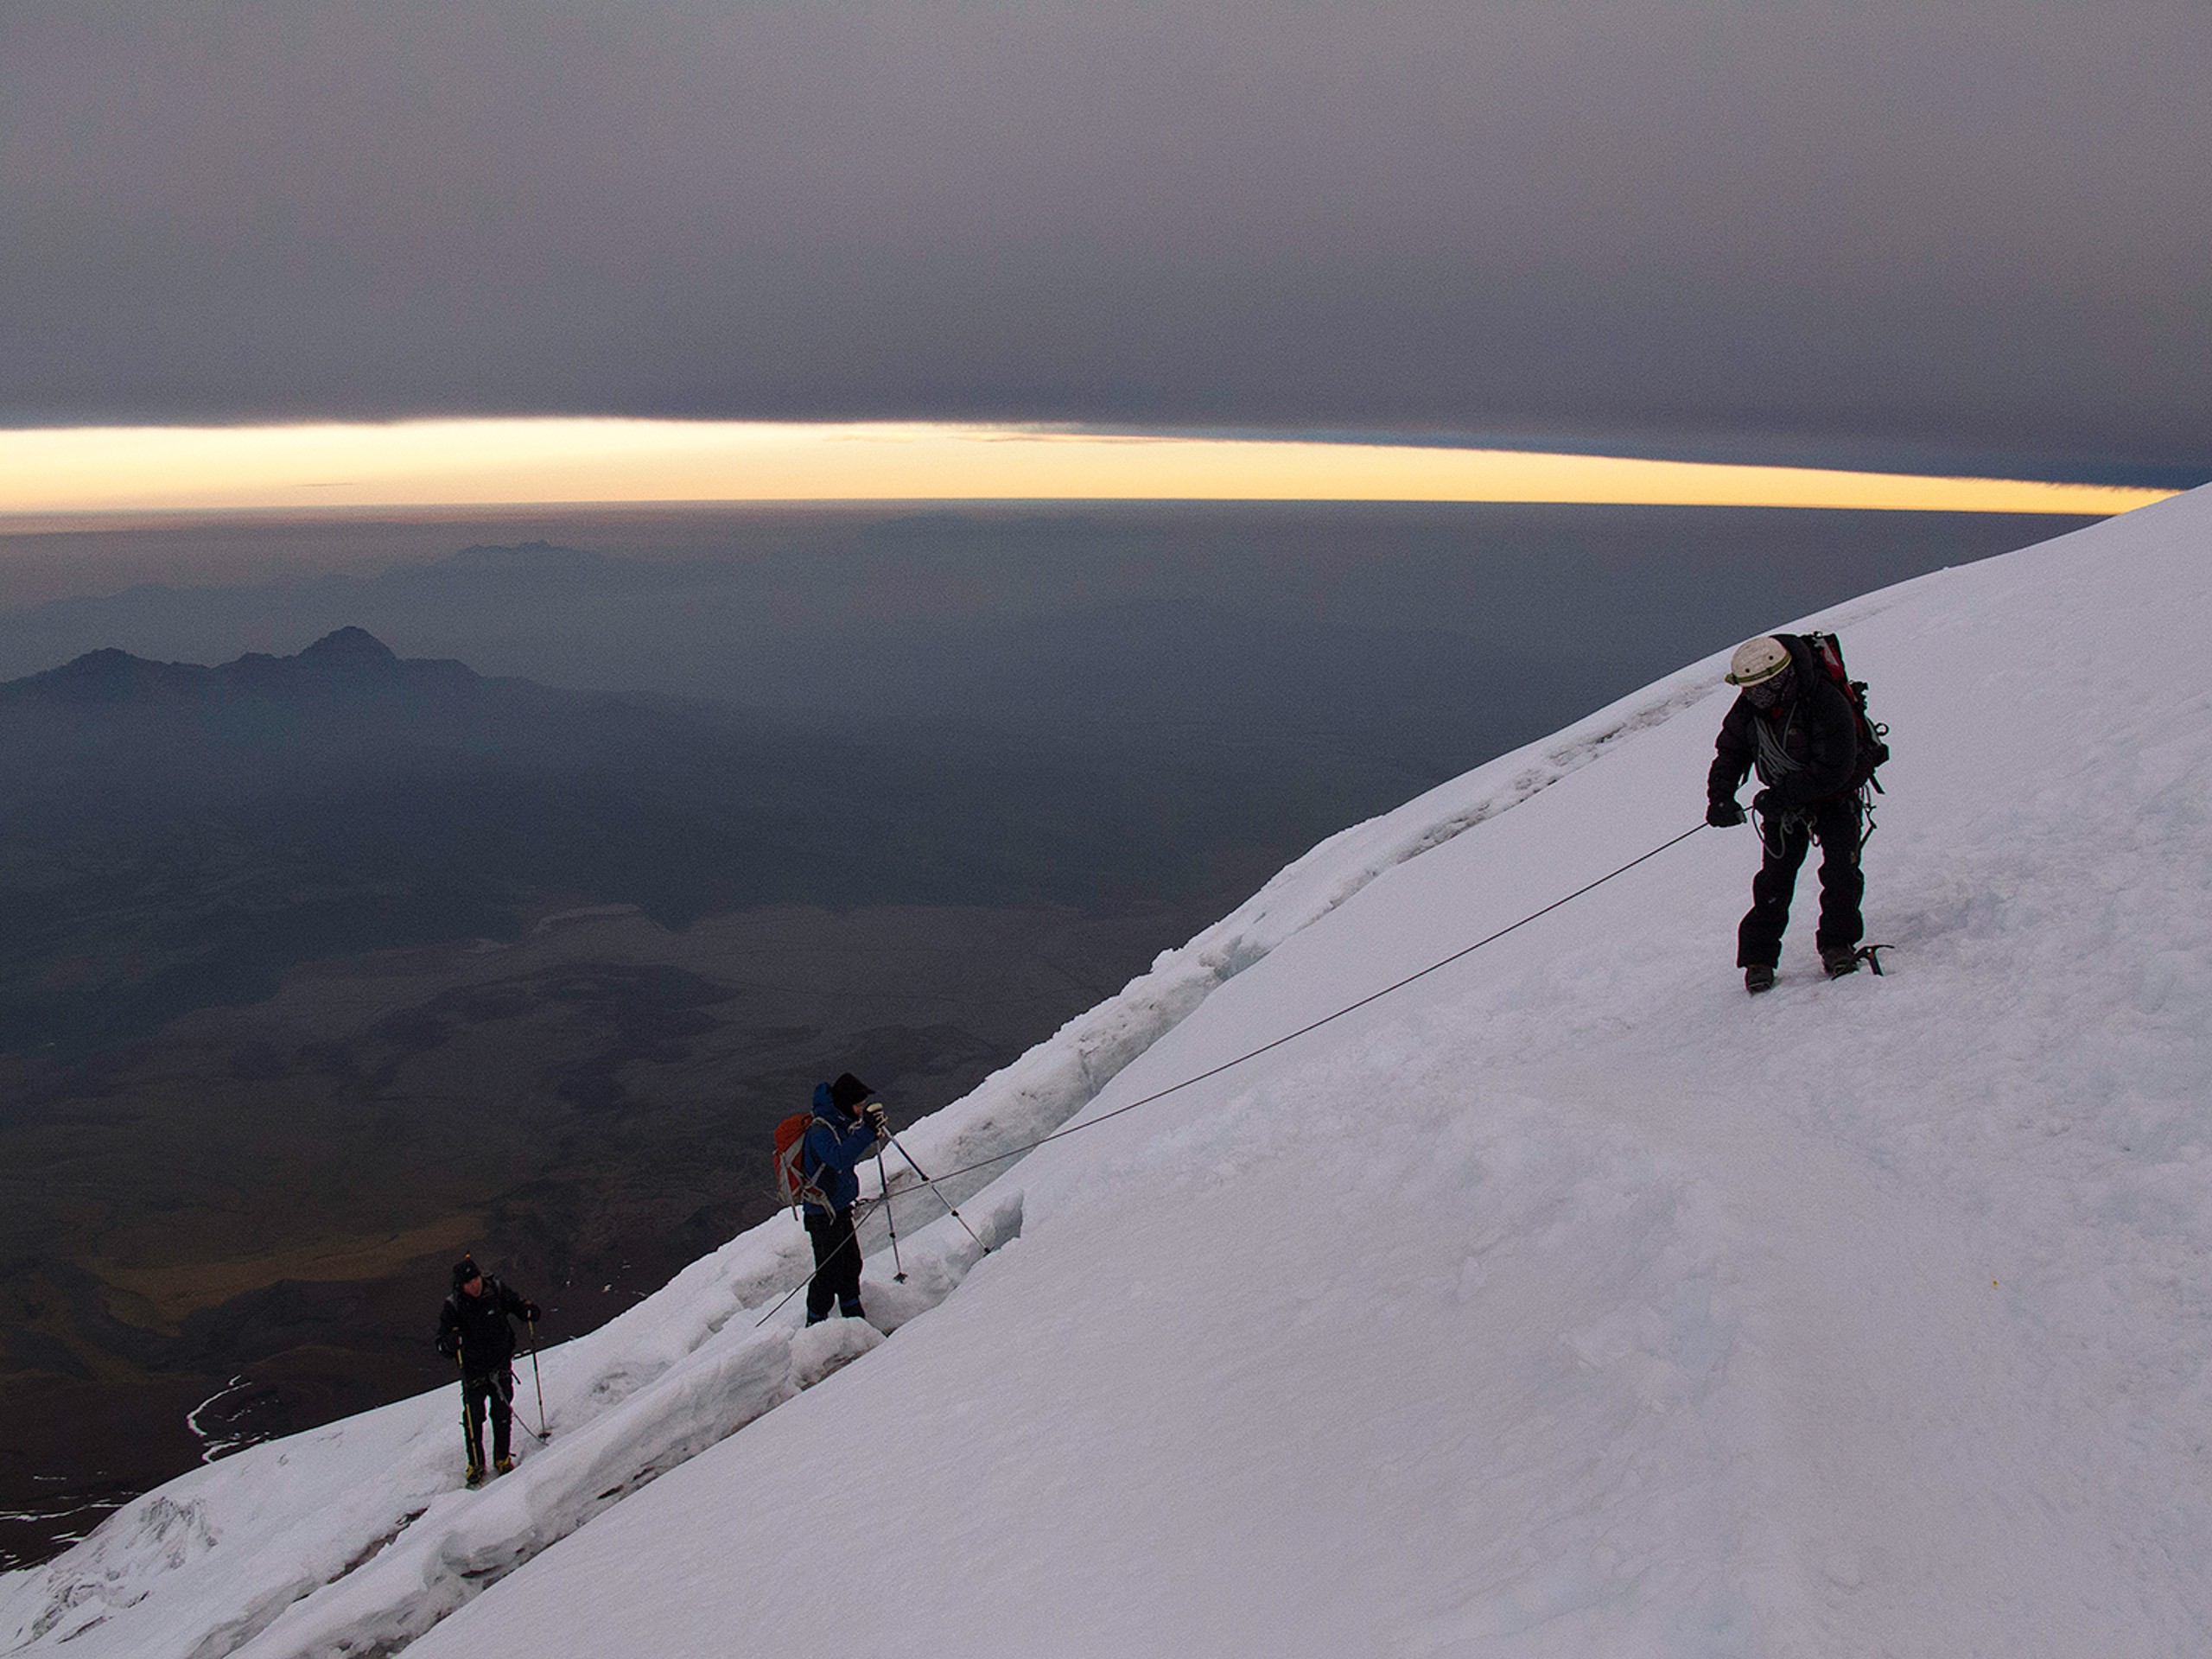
[503, 1465]
[475, 1477]
[1758, 977]
[1839, 960]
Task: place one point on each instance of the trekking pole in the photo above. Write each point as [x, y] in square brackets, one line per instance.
[538, 1377]
[898, 1267]
[941, 1199]
[467, 1431]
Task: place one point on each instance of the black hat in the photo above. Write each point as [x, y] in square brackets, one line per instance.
[848, 1092]
[464, 1270]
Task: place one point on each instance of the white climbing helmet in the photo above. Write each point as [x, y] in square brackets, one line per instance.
[1758, 660]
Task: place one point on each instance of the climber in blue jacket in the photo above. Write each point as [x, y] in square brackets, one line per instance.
[848, 1122]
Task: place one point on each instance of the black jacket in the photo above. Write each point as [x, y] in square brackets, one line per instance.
[474, 1329]
[1806, 747]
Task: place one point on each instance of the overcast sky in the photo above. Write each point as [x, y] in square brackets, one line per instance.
[1877, 231]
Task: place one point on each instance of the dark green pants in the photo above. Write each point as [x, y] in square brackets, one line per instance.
[495, 1392]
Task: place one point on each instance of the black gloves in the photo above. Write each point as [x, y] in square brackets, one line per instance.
[876, 1117]
[530, 1313]
[448, 1347]
[1722, 812]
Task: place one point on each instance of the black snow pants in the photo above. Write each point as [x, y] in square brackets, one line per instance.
[836, 1266]
[496, 1391]
[1834, 824]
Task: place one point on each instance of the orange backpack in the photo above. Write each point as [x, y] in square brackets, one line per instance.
[793, 1185]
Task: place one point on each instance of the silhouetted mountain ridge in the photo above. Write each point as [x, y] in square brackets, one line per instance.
[347, 705]
[348, 659]
[174, 835]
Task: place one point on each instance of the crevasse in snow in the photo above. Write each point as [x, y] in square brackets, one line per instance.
[1566, 1301]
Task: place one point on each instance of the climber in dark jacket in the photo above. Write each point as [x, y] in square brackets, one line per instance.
[846, 1124]
[473, 1328]
[1797, 727]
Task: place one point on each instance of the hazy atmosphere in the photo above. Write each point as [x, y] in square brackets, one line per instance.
[1956, 237]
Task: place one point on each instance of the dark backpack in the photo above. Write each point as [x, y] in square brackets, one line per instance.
[1827, 651]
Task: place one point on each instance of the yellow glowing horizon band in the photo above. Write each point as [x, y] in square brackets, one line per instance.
[594, 461]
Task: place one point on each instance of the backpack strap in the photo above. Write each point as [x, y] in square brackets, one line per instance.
[801, 1181]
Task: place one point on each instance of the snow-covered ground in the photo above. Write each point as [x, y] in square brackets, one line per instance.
[1566, 1301]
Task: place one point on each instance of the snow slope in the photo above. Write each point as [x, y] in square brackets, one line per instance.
[1566, 1301]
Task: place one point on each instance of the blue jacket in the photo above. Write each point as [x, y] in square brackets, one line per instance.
[835, 1143]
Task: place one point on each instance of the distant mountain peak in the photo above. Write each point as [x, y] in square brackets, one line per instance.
[349, 644]
[529, 556]
[103, 676]
[348, 660]
[517, 549]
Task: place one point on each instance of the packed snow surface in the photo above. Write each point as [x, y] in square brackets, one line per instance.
[1564, 1301]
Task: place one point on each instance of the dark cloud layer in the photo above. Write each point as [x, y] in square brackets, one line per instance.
[1983, 228]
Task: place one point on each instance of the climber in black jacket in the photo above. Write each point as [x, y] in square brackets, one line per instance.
[1797, 727]
[473, 1328]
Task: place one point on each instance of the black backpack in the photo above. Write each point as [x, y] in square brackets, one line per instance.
[1827, 651]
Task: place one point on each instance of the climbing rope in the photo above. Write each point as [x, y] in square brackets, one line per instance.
[1267, 1047]
[1292, 1036]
